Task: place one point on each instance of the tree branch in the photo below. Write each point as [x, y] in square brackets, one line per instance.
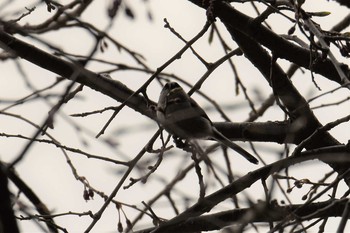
[32, 197]
[268, 131]
[277, 44]
[304, 122]
[244, 182]
[7, 217]
[109, 87]
[262, 213]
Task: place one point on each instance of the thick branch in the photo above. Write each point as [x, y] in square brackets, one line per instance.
[304, 121]
[206, 204]
[277, 44]
[269, 131]
[7, 217]
[109, 87]
[261, 213]
[344, 2]
[32, 197]
[257, 131]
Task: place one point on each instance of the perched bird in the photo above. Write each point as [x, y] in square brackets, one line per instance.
[181, 116]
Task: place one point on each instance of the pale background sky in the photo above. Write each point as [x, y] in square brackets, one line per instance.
[45, 169]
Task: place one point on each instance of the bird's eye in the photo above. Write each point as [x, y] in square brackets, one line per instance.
[173, 85]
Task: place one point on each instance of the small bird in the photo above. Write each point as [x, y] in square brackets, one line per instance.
[181, 116]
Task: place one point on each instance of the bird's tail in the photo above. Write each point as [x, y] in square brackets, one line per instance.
[227, 142]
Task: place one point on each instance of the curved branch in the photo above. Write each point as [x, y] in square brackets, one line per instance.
[32, 197]
[206, 204]
[7, 217]
[109, 87]
[277, 44]
[262, 213]
[268, 131]
[304, 122]
[344, 2]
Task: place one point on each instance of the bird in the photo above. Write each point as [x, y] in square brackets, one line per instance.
[180, 115]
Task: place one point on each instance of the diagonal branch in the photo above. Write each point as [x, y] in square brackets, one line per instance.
[304, 122]
[277, 44]
[244, 182]
[32, 197]
[268, 131]
[262, 213]
[109, 87]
